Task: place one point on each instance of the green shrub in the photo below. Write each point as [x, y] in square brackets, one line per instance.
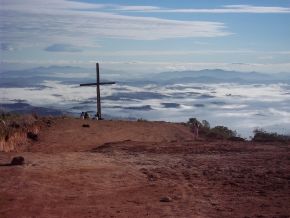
[224, 132]
[261, 135]
[218, 132]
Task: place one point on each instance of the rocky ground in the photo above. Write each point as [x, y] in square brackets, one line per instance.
[142, 169]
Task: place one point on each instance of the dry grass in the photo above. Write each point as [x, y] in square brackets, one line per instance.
[14, 129]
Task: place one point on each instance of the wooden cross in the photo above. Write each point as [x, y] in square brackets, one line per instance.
[98, 83]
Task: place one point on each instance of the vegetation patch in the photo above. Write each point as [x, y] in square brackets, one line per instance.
[261, 135]
[217, 132]
[16, 129]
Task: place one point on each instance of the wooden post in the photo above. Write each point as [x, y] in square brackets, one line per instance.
[98, 92]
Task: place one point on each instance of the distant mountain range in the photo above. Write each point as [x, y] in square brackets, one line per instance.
[67, 74]
[219, 76]
[35, 76]
[75, 75]
[24, 108]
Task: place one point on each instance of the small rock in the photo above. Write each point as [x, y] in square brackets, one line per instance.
[86, 125]
[165, 199]
[48, 123]
[32, 136]
[19, 160]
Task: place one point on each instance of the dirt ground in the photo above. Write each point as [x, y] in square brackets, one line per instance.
[126, 169]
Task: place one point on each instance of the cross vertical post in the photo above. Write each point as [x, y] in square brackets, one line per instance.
[99, 112]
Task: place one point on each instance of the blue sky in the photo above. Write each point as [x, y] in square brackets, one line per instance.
[142, 36]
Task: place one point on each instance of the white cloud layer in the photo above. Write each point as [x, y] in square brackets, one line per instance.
[247, 107]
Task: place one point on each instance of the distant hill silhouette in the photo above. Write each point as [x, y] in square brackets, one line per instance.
[24, 108]
[34, 76]
[75, 75]
[219, 76]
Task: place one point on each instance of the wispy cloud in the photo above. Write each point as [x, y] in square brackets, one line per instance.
[266, 54]
[63, 21]
[135, 8]
[159, 53]
[267, 57]
[62, 48]
[222, 10]
[6, 47]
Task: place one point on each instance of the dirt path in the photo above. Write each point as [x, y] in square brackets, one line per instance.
[70, 135]
[67, 175]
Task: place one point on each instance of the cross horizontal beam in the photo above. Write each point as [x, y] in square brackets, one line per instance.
[94, 84]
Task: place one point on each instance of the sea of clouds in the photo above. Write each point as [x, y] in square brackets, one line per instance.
[240, 107]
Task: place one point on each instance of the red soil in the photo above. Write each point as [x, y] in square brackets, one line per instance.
[123, 169]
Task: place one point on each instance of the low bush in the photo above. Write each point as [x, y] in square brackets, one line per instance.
[261, 135]
[11, 123]
[223, 132]
[217, 132]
